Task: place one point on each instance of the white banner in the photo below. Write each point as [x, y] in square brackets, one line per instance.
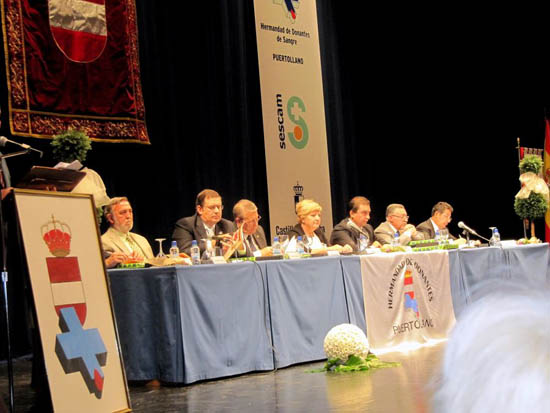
[293, 110]
[407, 298]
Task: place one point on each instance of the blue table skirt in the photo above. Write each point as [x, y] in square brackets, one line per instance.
[306, 299]
[184, 324]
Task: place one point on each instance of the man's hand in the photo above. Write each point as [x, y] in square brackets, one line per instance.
[409, 227]
[267, 252]
[225, 241]
[134, 256]
[226, 244]
[347, 249]
[114, 259]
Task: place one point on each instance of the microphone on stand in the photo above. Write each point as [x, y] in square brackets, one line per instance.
[4, 140]
[470, 230]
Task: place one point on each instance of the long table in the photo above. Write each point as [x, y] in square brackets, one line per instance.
[184, 324]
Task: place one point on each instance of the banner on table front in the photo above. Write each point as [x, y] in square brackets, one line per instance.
[407, 298]
[74, 64]
[293, 110]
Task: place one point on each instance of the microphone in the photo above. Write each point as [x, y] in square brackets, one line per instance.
[466, 228]
[4, 140]
[470, 230]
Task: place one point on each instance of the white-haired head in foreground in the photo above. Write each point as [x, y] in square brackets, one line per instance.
[497, 358]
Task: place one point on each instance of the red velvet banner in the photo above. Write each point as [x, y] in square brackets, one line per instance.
[74, 64]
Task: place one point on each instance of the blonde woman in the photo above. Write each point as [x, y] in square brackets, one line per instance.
[308, 227]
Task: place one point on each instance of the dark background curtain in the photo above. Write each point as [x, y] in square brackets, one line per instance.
[417, 111]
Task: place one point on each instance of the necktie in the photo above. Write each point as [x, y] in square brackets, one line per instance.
[251, 245]
[133, 245]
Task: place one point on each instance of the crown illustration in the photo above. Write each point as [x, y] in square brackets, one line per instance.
[298, 189]
[57, 236]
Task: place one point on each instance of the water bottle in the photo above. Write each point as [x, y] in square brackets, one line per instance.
[495, 238]
[174, 250]
[208, 252]
[195, 253]
[276, 246]
[395, 242]
[300, 245]
[363, 243]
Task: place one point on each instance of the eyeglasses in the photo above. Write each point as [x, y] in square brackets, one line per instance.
[406, 217]
[252, 219]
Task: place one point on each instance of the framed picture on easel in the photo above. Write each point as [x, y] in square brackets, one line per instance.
[73, 302]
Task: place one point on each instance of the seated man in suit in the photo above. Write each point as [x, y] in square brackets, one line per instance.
[441, 216]
[205, 224]
[245, 214]
[350, 229]
[118, 242]
[396, 222]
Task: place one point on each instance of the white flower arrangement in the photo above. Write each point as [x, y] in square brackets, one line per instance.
[346, 340]
[347, 350]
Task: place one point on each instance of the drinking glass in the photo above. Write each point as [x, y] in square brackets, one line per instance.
[443, 235]
[283, 239]
[161, 253]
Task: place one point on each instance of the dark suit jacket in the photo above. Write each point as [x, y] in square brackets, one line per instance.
[190, 228]
[428, 230]
[259, 238]
[342, 234]
[297, 230]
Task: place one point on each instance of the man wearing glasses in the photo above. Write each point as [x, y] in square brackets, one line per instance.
[441, 217]
[206, 223]
[396, 222]
[245, 214]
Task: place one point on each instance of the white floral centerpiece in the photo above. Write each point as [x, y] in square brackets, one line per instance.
[346, 340]
[347, 349]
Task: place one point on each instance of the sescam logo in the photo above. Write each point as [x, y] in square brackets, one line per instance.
[295, 107]
[289, 8]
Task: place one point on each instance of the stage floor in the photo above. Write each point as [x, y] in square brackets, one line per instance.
[407, 388]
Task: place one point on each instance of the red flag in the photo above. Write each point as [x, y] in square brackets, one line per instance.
[74, 64]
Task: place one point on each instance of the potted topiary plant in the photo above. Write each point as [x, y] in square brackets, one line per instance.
[71, 145]
[532, 200]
